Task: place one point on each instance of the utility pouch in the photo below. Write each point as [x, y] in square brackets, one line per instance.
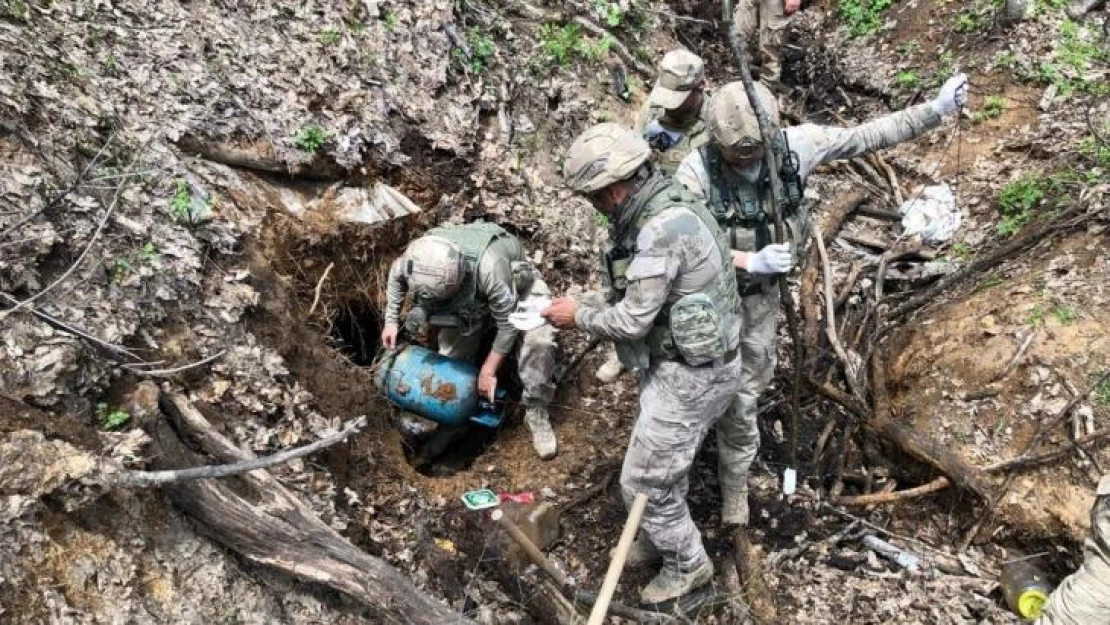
[444, 321]
[524, 275]
[416, 321]
[799, 225]
[696, 329]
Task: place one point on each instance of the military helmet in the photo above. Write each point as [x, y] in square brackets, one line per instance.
[680, 72]
[732, 121]
[602, 155]
[434, 267]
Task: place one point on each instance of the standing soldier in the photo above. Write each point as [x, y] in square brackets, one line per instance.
[460, 278]
[673, 123]
[1083, 598]
[768, 18]
[729, 173]
[674, 315]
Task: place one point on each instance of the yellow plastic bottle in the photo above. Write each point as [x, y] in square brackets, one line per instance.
[1026, 589]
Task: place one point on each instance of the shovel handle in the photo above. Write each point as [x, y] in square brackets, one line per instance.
[616, 565]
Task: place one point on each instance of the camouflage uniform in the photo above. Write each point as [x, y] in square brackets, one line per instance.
[497, 276]
[678, 252]
[769, 18]
[738, 432]
[1083, 598]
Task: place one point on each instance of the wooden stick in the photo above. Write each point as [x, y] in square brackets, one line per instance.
[899, 495]
[879, 161]
[530, 549]
[147, 479]
[865, 241]
[165, 373]
[319, 286]
[879, 213]
[1024, 461]
[851, 370]
[616, 565]
[1017, 356]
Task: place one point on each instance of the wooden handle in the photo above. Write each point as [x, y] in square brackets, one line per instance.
[616, 566]
[530, 549]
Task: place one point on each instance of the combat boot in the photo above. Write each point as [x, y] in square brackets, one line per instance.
[610, 370]
[642, 553]
[734, 506]
[672, 583]
[543, 437]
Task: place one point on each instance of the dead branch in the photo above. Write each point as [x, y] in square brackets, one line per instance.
[147, 479]
[265, 523]
[261, 159]
[865, 241]
[1022, 348]
[871, 174]
[1067, 221]
[879, 213]
[896, 496]
[319, 286]
[902, 249]
[62, 326]
[166, 373]
[851, 368]
[849, 283]
[833, 219]
[80, 258]
[1034, 441]
[880, 162]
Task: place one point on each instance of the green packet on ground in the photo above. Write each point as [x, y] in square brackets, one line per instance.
[480, 499]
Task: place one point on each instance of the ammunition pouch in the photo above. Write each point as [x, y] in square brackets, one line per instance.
[695, 328]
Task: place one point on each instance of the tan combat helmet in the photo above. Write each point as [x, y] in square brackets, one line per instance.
[602, 155]
[434, 268]
[732, 120]
[679, 72]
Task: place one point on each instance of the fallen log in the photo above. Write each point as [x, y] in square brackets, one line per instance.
[261, 159]
[265, 523]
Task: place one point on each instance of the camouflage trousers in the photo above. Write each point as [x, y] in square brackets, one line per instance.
[534, 352]
[1083, 598]
[738, 430]
[766, 16]
[678, 405]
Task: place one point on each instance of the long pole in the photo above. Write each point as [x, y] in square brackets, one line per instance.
[767, 131]
[616, 565]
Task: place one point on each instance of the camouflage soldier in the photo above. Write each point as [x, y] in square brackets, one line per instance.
[729, 174]
[765, 21]
[460, 277]
[1083, 598]
[673, 122]
[674, 315]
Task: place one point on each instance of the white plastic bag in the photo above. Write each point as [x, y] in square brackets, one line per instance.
[527, 316]
[932, 214]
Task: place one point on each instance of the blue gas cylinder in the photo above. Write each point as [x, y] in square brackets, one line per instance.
[433, 386]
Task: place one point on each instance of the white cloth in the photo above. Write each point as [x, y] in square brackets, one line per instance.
[527, 315]
[932, 214]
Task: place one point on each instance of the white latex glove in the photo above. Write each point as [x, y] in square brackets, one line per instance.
[775, 258]
[952, 96]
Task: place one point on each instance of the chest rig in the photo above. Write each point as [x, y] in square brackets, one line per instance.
[467, 310]
[720, 293]
[741, 207]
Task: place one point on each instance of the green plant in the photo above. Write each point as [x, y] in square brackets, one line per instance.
[1037, 315]
[1102, 392]
[1065, 314]
[992, 108]
[595, 51]
[358, 29]
[1095, 150]
[601, 220]
[1069, 67]
[482, 50]
[560, 44]
[910, 47]
[643, 53]
[149, 252]
[961, 250]
[310, 139]
[1006, 60]
[610, 12]
[329, 36]
[181, 204]
[906, 79]
[390, 21]
[111, 420]
[121, 268]
[863, 16]
[17, 9]
[990, 283]
[1017, 202]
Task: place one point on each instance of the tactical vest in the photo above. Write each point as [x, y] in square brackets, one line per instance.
[741, 207]
[722, 292]
[467, 309]
[693, 138]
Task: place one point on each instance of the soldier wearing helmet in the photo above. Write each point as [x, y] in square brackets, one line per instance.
[461, 277]
[674, 316]
[729, 174]
[673, 123]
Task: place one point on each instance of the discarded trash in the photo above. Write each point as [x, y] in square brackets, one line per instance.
[447, 546]
[789, 481]
[932, 214]
[902, 558]
[480, 499]
[1026, 588]
[527, 316]
[521, 497]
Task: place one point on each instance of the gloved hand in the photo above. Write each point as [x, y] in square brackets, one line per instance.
[775, 258]
[952, 96]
